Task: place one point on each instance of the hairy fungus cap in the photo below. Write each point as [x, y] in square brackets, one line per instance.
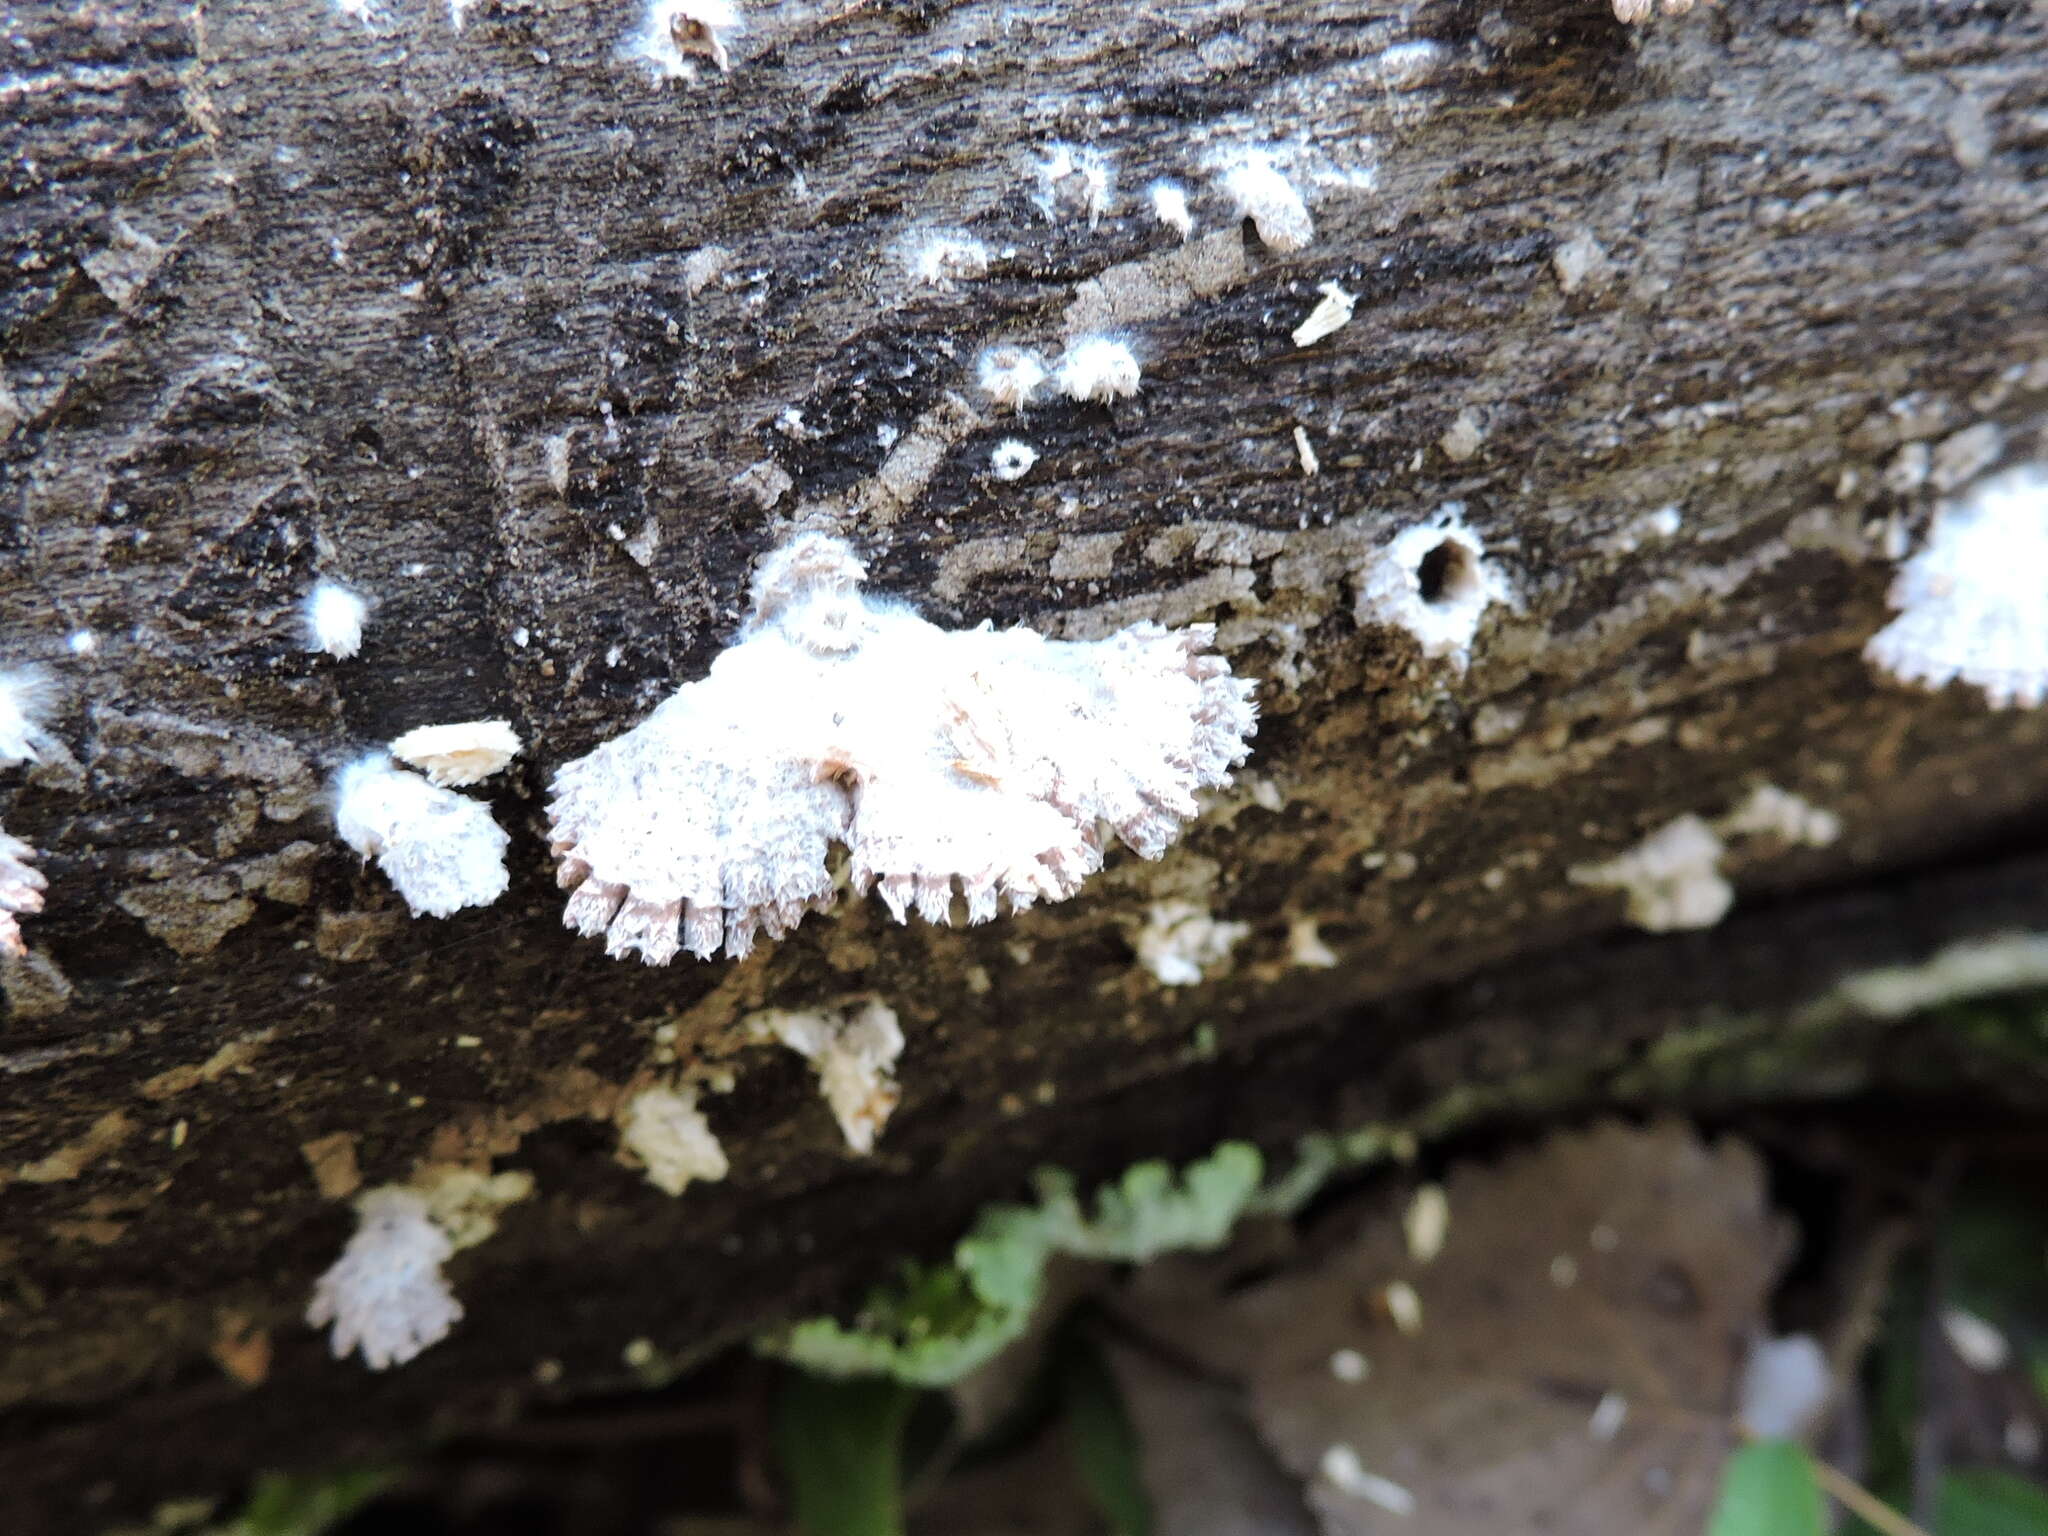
[334, 618]
[673, 32]
[1009, 376]
[1970, 602]
[386, 1295]
[442, 850]
[1099, 368]
[1261, 192]
[21, 890]
[464, 753]
[987, 758]
[26, 695]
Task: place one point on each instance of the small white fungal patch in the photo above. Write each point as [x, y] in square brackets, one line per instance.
[982, 756]
[1778, 813]
[1977, 1343]
[1579, 261]
[1074, 180]
[1306, 946]
[854, 1053]
[1608, 1415]
[1970, 603]
[1672, 878]
[334, 618]
[21, 891]
[1464, 436]
[458, 12]
[1099, 368]
[441, 850]
[465, 753]
[554, 458]
[674, 32]
[1348, 1365]
[667, 1132]
[1261, 192]
[1332, 313]
[1343, 1471]
[1785, 1384]
[1011, 459]
[1170, 207]
[939, 258]
[26, 697]
[386, 1295]
[1641, 10]
[1181, 942]
[1009, 376]
[1426, 1223]
[1305, 451]
[1434, 581]
[1403, 1306]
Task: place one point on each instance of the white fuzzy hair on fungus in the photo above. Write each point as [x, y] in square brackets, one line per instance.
[1433, 580]
[1099, 368]
[334, 618]
[1971, 603]
[25, 700]
[442, 850]
[982, 757]
[1009, 376]
[21, 890]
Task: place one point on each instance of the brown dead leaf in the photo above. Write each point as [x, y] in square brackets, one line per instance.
[333, 1161]
[241, 1348]
[1614, 1266]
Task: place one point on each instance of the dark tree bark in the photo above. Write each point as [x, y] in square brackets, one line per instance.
[308, 288]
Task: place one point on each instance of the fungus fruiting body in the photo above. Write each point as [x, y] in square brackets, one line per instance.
[334, 618]
[853, 1051]
[667, 1133]
[673, 32]
[1434, 581]
[938, 258]
[1009, 376]
[979, 756]
[1170, 207]
[1261, 192]
[1011, 459]
[463, 753]
[442, 850]
[386, 1295]
[1099, 368]
[1970, 603]
[25, 697]
[1074, 180]
[21, 891]
[1332, 313]
[1672, 878]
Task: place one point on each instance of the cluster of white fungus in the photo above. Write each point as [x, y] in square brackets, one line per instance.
[665, 1131]
[1181, 942]
[1009, 375]
[939, 258]
[1099, 368]
[24, 701]
[853, 1051]
[1074, 181]
[983, 757]
[1434, 581]
[1970, 602]
[334, 618]
[386, 1295]
[443, 851]
[1260, 191]
[673, 32]
[464, 753]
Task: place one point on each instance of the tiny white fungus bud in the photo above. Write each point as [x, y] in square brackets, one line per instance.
[938, 258]
[1011, 459]
[1404, 1307]
[1170, 207]
[1305, 451]
[1343, 1471]
[334, 619]
[667, 1132]
[1259, 191]
[1099, 368]
[1009, 376]
[1426, 1223]
[441, 850]
[464, 753]
[1977, 1343]
[1785, 1384]
[1348, 1365]
[1609, 1414]
[1332, 313]
[1672, 878]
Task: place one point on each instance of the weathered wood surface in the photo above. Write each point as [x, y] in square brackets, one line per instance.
[293, 288]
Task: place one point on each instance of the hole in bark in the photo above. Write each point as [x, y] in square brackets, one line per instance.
[1448, 573]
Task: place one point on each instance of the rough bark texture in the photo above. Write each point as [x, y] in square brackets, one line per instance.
[299, 288]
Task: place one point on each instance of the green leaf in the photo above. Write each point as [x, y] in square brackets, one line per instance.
[281, 1505]
[1768, 1489]
[840, 1447]
[1103, 1441]
[1991, 1503]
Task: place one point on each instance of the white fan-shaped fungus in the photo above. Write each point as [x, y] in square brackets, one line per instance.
[854, 1053]
[442, 850]
[1009, 376]
[334, 619]
[1099, 368]
[979, 756]
[386, 1294]
[21, 890]
[1434, 581]
[464, 753]
[1970, 602]
[25, 699]
[1261, 192]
